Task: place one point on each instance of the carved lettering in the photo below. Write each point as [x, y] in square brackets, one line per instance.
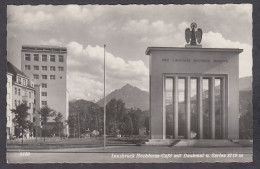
[195, 60]
[165, 60]
[201, 60]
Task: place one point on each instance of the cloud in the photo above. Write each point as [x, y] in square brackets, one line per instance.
[54, 42]
[85, 67]
[157, 33]
[147, 29]
[82, 86]
[241, 11]
[216, 40]
[20, 18]
[79, 13]
[46, 17]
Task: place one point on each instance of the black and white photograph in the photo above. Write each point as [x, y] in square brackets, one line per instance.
[129, 83]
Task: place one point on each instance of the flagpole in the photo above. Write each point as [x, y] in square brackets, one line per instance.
[104, 96]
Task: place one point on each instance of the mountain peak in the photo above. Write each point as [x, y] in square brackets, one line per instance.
[127, 86]
[131, 95]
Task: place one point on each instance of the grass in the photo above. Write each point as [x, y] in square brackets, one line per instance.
[56, 142]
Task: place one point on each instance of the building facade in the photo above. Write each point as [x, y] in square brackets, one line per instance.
[194, 92]
[9, 105]
[47, 66]
[19, 90]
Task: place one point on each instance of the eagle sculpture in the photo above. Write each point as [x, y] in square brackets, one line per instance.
[192, 36]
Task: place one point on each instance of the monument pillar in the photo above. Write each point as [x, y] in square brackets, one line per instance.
[175, 108]
[200, 107]
[212, 107]
[187, 106]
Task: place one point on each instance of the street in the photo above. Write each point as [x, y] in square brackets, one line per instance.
[132, 154]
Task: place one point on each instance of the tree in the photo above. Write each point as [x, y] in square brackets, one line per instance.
[58, 121]
[147, 124]
[126, 125]
[137, 120]
[115, 110]
[71, 122]
[95, 115]
[246, 123]
[20, 119]
[45, 112]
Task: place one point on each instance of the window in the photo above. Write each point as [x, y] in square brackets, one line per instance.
[19, 92]
[52, 58]
[44, 103]
[36, 57]
[34, 119]
[27, 67]
[44, 58]
[19, 80]
[36, 67]
[30, 95]
[44, 85]
[36, 76]
[34, 102]
[52, 68]
[44, 67]
[28, 57]
[24, 82]
[61, 68]
[29, 105]
[15, 103]
[61, 58]
[44, 93]
[15, 91]
[52, 77]
[60, 77]
[19, 102]
[44, 76]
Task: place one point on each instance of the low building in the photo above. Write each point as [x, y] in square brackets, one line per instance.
[20, 89]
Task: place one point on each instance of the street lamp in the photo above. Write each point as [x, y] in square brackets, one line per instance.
[79, 125]
[104, 96]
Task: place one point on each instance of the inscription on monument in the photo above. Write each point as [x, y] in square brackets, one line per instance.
[195, 60]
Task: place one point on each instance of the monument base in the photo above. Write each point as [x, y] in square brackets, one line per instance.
[206, 143]
[193, 142]
[161, 141]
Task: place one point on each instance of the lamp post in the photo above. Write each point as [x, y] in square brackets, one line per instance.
[104, 96]
[36, 128]
[79, 125]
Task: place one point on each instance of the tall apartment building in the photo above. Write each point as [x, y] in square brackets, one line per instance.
[19, 90]
[47, 66]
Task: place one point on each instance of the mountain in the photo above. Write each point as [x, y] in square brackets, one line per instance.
[132, 96]
[76, 106]
[245, 83]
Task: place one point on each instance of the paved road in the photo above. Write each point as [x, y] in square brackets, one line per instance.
[132, 154]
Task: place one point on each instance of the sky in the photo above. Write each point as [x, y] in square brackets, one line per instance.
[127, 31]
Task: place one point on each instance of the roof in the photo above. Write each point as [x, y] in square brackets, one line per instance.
[14, 70]
[43, 47]
[149, 49]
